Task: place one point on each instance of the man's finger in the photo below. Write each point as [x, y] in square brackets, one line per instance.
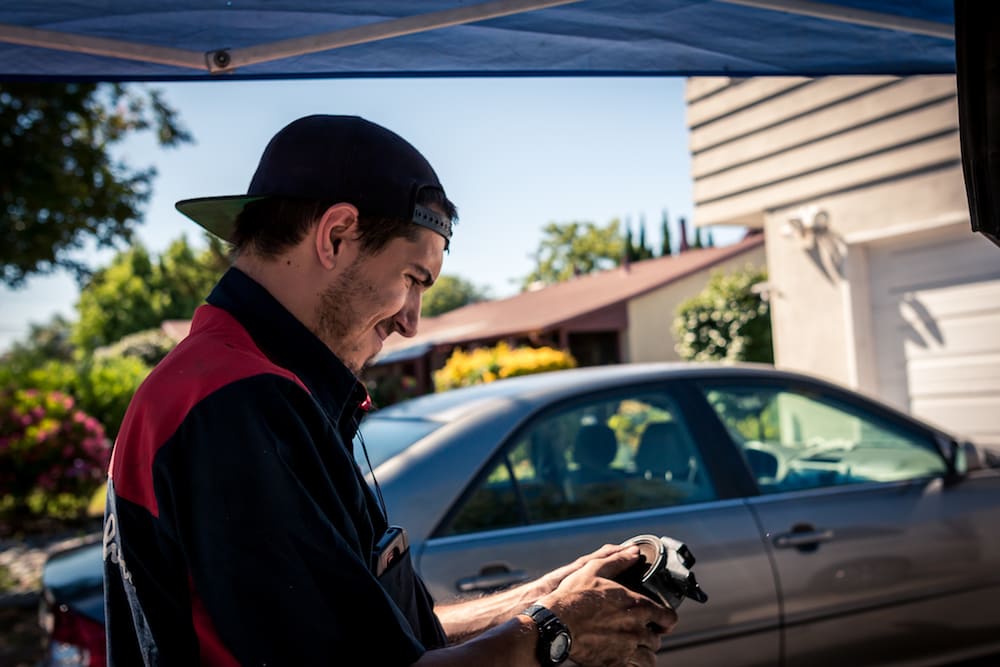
[614, 564]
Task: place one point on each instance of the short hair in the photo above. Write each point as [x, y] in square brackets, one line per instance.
[267, 227]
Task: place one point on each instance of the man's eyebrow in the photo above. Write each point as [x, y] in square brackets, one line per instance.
[427, 279]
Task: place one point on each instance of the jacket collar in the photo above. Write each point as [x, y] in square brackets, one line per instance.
[290, 344]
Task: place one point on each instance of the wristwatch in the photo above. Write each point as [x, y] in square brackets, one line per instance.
[554, 640]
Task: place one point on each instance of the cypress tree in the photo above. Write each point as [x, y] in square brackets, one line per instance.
[643, 251]
[665, 247]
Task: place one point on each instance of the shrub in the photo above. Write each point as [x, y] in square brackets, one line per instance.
[101, 387]
[483, 365]
[53, 456]
[105, 387]
[727, 321]
[149, 347]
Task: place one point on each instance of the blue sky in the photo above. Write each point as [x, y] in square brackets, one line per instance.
[514, 154]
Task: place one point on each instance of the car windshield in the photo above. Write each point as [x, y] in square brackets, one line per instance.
[385, 438]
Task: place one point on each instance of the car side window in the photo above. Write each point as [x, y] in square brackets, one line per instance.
[794, 439]
[595, 458]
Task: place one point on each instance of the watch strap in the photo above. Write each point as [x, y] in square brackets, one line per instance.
[549, 628]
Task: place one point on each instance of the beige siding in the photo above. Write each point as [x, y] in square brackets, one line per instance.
[882, 102]
[765, 144]
[651, 316]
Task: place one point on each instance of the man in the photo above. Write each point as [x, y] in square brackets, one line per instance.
[239, 529]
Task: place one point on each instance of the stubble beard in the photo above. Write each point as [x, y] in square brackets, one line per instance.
[336, 315]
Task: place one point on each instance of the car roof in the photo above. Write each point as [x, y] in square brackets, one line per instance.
[455, 404]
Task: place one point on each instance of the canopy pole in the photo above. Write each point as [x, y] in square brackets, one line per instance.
[99, 46]
[852, 15]
[225, 60]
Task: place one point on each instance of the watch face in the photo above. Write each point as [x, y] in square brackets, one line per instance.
[559, 648]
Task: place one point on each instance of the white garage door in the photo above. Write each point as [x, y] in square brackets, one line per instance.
[936, 319]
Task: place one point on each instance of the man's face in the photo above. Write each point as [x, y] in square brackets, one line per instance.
[377, 295]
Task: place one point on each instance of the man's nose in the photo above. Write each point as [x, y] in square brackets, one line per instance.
[408, 317]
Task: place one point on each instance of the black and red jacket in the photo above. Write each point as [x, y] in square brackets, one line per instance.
[239, 529]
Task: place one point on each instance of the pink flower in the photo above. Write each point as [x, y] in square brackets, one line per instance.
[79, 417]
[30, 393]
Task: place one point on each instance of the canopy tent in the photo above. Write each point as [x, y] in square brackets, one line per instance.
[192, 39]
[131, 40]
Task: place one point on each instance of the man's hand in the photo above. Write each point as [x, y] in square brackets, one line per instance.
[610, 624]
[549, 582]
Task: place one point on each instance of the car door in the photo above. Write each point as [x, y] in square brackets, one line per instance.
[880, 557]
[602, 469]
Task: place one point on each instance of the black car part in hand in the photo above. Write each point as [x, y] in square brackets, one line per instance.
[664, 571]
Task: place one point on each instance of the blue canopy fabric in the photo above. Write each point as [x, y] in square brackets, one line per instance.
[191, 39]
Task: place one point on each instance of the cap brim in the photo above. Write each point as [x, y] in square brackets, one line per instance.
[217, 215]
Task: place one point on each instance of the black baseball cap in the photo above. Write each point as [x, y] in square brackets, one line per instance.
[333, 158]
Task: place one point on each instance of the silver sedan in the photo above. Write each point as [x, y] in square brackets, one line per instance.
[828, 528]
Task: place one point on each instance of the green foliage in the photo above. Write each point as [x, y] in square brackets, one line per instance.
[483, 365]
[44, 342]
[105, 386]
[137, 292]
[573, 248]
[665, 232]
[59, 184]
[148, 346]
[52, 454]
[448, 293]
[726, 321]
[631, 420]
[102, 387]
[636, 251]
[746, 415]
[643, 251]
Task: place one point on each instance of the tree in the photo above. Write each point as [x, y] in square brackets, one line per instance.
[665, 247]
[644, 251]
[59, 183]
[449, 293]
[571, 248]
[698, 245]
[44, 342]
[138, 292]
[630, 250]
[726, 321]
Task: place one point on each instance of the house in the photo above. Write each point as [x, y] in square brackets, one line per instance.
[619, 315]
[875, 279]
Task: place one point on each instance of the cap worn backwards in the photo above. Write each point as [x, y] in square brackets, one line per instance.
[333, 158]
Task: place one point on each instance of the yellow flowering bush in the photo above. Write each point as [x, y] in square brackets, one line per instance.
[487, 364]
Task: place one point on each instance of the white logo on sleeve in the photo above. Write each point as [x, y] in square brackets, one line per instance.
[112, 549]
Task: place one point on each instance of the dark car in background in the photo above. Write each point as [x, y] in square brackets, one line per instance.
[828, 528]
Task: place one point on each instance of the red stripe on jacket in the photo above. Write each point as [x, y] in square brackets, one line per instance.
[218, 352]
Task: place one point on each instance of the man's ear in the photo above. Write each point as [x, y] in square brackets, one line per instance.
[338, 224]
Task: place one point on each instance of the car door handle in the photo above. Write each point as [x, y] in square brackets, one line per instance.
[491, 581]
[805, 538]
